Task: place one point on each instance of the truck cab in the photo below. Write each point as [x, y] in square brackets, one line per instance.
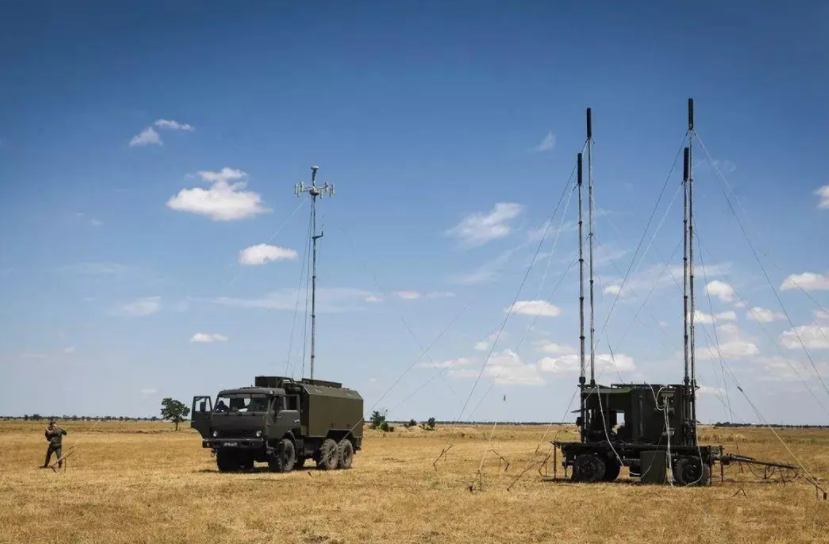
[282, 423]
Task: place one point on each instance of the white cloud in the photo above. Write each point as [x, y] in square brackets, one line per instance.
[554, 349]
[69, 349]
[569, 363]
[808, 281]
[709, 390]
[702, 317]
[450, 363]
[657, 277]
[146, 137]
[148, 391]
[208, 338]
[329, 300]
[613, 290]
[264, 253]
[821, 315]
[373, 298]
[223, 201]
[823, 193]
[813, 337]
[548, 143]
[142, 306]
[505, 368]
[440, 294]
[174, 125]
[534, 307]
[783, 369]
[764, 316]
[486, 343]
[663, 323]
[721, 290]
[408, 295]
[478, 228]
[733, 344]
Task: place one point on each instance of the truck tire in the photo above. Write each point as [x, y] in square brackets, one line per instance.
[284, 457]
[228, 461]
[345, 453]
[329, 457]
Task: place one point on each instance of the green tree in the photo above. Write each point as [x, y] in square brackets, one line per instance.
[377, 419]
[431, 423]
[174, 410]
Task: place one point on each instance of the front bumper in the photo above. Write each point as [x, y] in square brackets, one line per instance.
[243, 443]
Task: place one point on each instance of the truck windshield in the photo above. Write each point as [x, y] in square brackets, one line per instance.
[242, 402]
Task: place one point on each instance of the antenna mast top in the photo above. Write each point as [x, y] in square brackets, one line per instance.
[315, 191]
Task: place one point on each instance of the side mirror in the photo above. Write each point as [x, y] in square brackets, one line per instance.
[579, 421]
[202, 406]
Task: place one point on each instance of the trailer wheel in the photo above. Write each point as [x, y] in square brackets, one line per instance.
[345, 452]
[284, 457]
[588, 467]
[328, 459]
[611, 470]
[691, 471]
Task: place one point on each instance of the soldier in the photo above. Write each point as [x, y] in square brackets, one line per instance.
[54, 435]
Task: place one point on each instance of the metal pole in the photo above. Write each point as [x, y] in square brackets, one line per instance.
[590, 239]
[314, 278]
[691, 259]
[581, 301]
[685, 265]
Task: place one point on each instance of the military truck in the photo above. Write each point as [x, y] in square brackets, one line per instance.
[282, 422]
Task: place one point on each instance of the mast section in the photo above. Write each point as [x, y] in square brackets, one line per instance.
[590, 240]
[314, 191]
[581, 301]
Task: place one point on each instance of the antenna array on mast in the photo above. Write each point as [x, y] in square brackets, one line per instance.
[315, 191]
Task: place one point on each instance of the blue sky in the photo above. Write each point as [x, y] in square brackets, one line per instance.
[145, 147]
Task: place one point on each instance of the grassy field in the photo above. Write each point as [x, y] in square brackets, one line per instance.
[141, 482]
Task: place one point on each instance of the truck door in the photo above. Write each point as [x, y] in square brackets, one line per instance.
[287, 415]
[200, 418]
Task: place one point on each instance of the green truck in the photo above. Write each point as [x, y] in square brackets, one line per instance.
[282, 422]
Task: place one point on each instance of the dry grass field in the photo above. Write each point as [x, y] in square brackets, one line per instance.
[141, 482]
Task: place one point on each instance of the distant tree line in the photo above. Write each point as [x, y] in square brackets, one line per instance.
[38, 417]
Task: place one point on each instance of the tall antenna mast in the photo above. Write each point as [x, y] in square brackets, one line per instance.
[686, 379]
[690, 178]
[581, 301]
[590, 239]
[315, 191]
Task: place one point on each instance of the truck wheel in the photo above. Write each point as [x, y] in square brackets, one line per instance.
[227, 461]
[588, 467]
[346, 453]
[284, 458]
[691, 471]
[328, 455]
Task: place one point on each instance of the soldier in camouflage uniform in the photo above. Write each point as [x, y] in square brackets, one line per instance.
[54, 435]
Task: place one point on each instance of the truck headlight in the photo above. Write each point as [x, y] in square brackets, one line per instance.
[258, 434]
[215, 434]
